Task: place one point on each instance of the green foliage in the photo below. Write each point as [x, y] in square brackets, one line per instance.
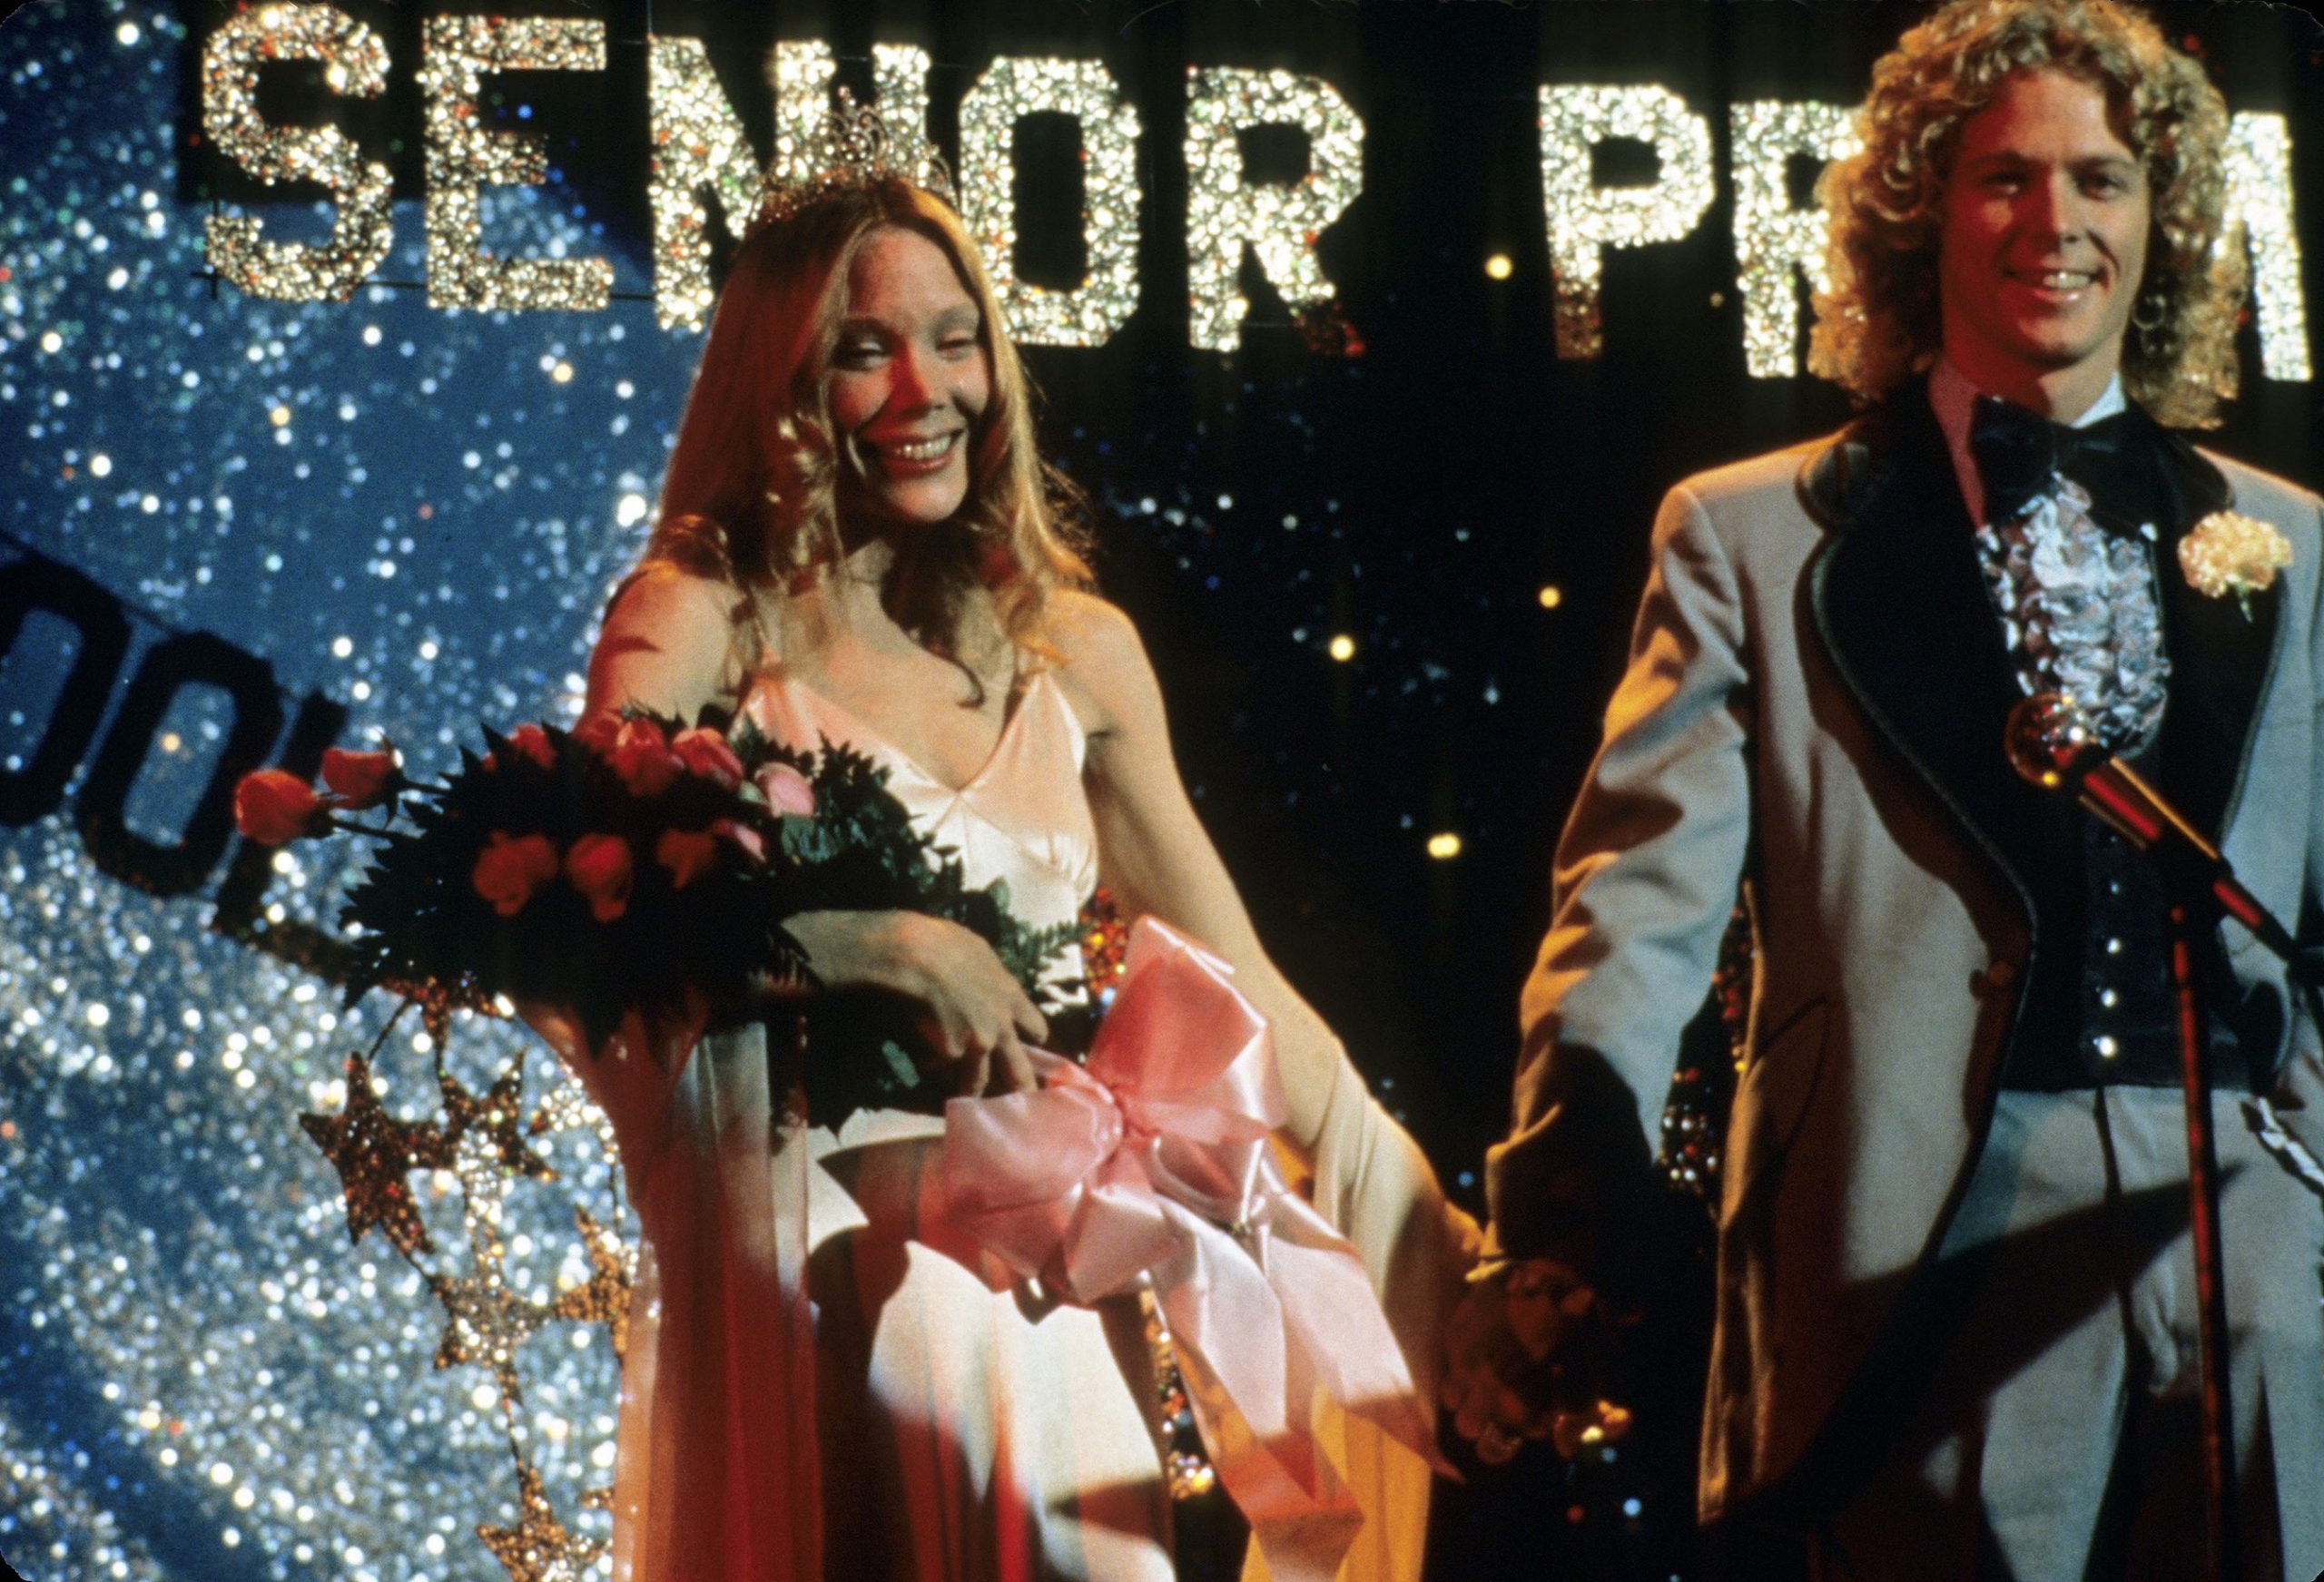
[423, 928]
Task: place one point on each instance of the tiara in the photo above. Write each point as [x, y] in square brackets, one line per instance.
[849, 149]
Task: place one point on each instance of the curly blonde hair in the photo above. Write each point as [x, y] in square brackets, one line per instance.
[751, 496]
[1878, 321]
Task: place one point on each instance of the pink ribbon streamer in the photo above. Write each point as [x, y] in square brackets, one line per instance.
[1154, 1161]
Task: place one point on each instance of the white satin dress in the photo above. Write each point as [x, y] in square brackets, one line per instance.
[825, 1379]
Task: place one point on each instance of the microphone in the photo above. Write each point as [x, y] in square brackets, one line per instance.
[2050, 743]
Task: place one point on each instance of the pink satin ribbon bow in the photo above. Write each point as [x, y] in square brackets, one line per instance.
[1153, 1160]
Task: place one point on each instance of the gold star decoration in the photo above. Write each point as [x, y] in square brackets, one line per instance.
[603, 1298]
[539, 1548]
[484, 1323]
[568, 1107]
[496, 1116]
[373, 1153]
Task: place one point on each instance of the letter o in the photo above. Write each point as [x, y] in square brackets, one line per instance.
[38, 583]
[101, 810]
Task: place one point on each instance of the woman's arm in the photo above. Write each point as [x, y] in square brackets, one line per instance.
[665, 647]
[1154, 855]
[1368, 1178]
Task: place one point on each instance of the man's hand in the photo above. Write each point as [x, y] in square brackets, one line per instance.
[1524, 1352]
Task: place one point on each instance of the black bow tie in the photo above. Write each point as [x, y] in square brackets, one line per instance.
[2020, 452]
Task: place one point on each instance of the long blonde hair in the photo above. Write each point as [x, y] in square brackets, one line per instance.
[752, 493]
[1878, 323]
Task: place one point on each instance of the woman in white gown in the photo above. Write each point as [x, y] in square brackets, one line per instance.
[858, 543]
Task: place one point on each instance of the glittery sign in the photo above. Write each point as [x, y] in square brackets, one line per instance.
[799, 70]
[1585, 219]
[1279, 219]
[698, 146]
[2259, 178]
[463, 157]
[1011, 89]
[354, 62]
[1772, 238]
[900, 94]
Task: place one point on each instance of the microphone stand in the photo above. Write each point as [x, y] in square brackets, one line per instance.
[2051, 744]
[2220, 1529]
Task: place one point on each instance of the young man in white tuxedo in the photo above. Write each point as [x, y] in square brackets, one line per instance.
[1957, 1314]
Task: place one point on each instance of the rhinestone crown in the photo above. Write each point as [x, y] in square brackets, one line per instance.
[851, 147]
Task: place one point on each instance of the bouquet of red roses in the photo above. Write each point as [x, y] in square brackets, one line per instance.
[633, 866]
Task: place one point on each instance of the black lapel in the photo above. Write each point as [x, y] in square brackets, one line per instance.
[2220, 657]
[1904, 614]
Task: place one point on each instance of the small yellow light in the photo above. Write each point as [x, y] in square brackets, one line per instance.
[1550, 596]
[172, 742]
[1342, 648]
[1443, 845]
[562, 373]
[1497, 267]
[279, 416]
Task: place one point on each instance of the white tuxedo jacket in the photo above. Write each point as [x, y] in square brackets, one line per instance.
[1813, 701]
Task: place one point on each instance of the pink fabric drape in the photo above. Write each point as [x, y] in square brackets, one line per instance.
[717, 1475]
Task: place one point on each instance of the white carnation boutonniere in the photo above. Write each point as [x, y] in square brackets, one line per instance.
[2230, 552]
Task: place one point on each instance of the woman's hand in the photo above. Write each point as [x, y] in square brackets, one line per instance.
[1525, 1356]
[973, 1014]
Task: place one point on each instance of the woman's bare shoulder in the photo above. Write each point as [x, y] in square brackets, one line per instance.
[1090, 631]
[668, 639]
[663, 591]
[1101, 663]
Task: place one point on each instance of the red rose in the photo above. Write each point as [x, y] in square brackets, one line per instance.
[508, 871]
[753, 844]
[598, 866]
[786, 790]
[597, 732]
[643, 759]
[686, 853]
[361, 780]
[273, 805]
[532, 742]
[704, 752]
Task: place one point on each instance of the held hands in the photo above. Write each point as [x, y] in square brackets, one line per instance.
[973, 1014]
[1525, 1353]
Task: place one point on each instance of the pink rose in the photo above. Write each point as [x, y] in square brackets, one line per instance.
[753, 845]
[598, 866]
[273, 805]
[704, 752]
[508, 871]
[532, 741]
[786, 790]
[361, 780]
[643, 759]
[688, 854]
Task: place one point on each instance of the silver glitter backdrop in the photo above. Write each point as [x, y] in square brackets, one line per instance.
[417, 513]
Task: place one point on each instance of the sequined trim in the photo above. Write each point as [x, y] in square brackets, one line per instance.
[2079, 613]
